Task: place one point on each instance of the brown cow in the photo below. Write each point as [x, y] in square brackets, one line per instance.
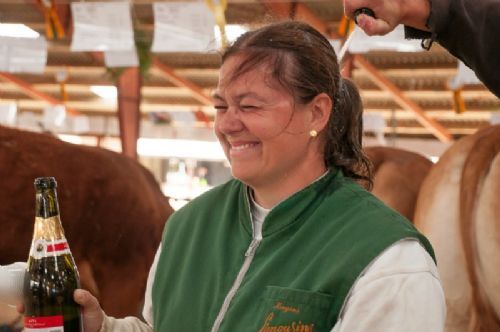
[458, 210]
[398, 175]
[112, 210]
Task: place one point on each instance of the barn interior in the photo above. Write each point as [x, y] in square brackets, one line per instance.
[136, 77]
[413, 98]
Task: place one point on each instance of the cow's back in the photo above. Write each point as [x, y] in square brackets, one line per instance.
[398, 175]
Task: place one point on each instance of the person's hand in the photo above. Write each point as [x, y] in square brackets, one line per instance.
[92, 314]
[389, 14]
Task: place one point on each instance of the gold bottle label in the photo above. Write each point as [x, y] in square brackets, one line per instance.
[48, 238]
[49, 228]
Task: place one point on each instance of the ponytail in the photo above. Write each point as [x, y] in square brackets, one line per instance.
[343, 146]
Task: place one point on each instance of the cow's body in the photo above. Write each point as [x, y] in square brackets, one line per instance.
[458, 210]
[112, 211]
[398, 175]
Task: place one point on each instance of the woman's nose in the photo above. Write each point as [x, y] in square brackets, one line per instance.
[228, 122]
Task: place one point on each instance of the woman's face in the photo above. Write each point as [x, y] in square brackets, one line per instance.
[264, 134]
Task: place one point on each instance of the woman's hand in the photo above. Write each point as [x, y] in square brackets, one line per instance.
[92, 314]
[389, 14]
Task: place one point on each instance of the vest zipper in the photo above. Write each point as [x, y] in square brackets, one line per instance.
[249, 255]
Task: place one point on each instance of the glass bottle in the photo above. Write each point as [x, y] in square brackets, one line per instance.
[51, 275]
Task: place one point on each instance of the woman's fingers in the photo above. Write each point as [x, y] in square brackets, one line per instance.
[92, 314]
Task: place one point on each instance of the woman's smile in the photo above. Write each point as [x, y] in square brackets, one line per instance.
[242, 149]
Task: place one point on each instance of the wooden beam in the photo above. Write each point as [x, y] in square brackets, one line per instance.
[197, 92]
[129, 101]
[298, 12]
[385, 84]
[304, 14]
[29, 90]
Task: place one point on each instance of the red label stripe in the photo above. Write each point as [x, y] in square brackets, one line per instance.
[57, 247]
[43, 322]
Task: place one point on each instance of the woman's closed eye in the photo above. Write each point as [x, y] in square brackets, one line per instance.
[249, 107]
[220, 108]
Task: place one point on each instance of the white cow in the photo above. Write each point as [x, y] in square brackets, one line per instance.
[458, 209]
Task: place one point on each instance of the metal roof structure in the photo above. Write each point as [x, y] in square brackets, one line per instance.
[409, 89]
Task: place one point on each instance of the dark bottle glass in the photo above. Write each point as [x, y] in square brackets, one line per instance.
[51, 276]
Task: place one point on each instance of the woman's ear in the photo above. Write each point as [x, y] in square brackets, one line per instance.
[321, 107]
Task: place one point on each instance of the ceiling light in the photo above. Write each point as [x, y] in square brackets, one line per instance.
[17, 31]
[74, 139]
[233, 31]
[106, 92]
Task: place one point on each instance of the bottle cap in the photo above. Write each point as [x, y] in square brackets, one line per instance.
[45, 183]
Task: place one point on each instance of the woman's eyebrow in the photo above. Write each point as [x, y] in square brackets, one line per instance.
[216, 96]
[249, 95]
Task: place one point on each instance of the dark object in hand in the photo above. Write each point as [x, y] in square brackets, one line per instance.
[366, 11]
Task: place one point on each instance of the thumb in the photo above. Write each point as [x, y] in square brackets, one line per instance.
[374, 26]
[92, 314]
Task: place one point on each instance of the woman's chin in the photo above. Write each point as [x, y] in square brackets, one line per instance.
[242, 175]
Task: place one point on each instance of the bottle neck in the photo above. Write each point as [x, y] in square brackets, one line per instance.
[46, 203]
[47, 222]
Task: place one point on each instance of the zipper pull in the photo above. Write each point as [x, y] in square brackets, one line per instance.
[252, 247]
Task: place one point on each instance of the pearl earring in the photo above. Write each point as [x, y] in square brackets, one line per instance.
[313, 133]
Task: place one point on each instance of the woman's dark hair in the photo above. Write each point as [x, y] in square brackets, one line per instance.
[304, 62]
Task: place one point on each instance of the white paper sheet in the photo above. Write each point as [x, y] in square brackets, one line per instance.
[102, 26]
[464, 76]
[121, 58]
[495, 118]
[23, 55]
[81, 124]
[183, 27]
[374, 123]
[54, 116]
[8, 113]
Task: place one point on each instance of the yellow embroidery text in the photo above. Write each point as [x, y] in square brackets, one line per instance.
[291, 327]
[280, 306]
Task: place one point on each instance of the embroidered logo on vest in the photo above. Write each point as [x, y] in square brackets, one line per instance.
[290, 327]
[284, 308]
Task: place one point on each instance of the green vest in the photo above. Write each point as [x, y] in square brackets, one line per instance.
[315, 245]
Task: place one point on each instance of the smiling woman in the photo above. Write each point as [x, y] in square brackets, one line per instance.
[265, 135]
[268, 104]
[294, 242]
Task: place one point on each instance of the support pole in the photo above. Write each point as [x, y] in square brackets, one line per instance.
[129, 101]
